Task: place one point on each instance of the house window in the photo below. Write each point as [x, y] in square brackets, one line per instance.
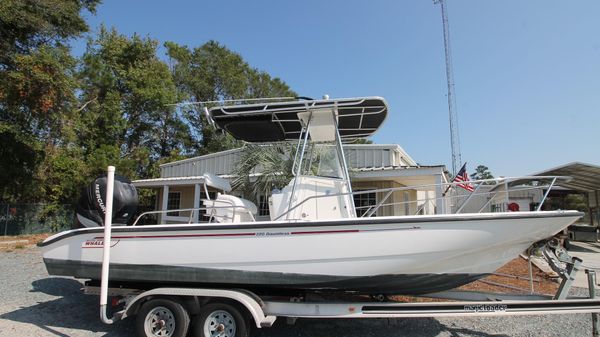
[263, 205]
[174, 202]
[364, 203]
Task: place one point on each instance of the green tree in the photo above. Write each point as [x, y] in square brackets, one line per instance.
[29, 25]
[20, 157]
[63, 120]
[126, 118]
[36, 68]
[212, 72]
[37, 88]
[481, 172]
[273, 163]
[65, 173]
[573, 201]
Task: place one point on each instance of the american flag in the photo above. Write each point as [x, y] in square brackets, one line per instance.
[463, 178]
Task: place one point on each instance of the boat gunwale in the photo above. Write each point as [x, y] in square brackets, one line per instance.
[324, 223]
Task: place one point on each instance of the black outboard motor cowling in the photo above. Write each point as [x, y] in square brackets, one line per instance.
[91, 207]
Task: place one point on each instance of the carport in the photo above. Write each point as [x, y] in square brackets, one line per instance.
[586, 179]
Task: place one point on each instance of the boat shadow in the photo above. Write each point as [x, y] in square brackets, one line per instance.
[71, 310]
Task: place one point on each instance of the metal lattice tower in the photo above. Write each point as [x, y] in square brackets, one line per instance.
[453, 116]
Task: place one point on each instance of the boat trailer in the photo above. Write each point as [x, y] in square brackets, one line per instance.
[231, 312]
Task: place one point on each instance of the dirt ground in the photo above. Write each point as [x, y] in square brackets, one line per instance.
[542, 284]
[10, 243]
[519, 271]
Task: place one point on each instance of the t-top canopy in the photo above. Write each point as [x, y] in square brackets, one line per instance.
[267, 122]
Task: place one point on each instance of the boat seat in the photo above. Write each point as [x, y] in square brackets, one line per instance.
[230, 209]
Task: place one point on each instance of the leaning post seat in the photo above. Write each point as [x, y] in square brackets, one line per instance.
[230, 209]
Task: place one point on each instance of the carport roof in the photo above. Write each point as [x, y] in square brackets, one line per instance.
[586, 177]
[208, 179]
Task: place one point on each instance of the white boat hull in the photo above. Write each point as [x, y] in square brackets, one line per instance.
[376, 255]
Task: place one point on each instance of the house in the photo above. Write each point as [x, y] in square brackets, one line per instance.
[373, 167]
[182, 184]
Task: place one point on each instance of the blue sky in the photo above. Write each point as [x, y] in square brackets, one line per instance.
[527, 73]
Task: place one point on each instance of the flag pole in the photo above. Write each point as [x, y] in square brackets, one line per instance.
[463, 169]
[446, 191]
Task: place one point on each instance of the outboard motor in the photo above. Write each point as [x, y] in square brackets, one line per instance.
[91, 207]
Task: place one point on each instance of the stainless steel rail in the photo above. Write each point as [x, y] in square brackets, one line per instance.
[192, 210]
[496, 182]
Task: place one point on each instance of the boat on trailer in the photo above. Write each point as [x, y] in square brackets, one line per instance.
[314, 240]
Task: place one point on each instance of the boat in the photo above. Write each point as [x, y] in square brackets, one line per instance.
[314, 240]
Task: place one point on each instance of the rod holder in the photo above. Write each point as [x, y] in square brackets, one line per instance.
[110, 184]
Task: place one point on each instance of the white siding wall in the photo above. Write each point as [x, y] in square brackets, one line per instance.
[365, 157]
[217, 163]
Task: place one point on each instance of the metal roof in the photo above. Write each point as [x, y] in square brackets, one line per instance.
[586, 177]
[358, 156]
[208, 179]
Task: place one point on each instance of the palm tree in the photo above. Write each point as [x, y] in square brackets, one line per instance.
[262, 168]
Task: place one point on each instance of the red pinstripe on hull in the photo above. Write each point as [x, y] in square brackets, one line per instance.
[220, 235]
[176, 236]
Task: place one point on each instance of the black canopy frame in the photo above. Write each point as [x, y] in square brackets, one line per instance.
[279, 121]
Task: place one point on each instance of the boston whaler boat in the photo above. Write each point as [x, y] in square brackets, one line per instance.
[314, 241]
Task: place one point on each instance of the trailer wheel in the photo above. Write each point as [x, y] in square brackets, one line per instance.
[162, 317]
[220, 320]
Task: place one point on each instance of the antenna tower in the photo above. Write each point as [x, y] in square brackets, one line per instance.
[454, 138]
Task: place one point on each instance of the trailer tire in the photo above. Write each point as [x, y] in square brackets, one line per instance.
[220, 319]
[162, 317]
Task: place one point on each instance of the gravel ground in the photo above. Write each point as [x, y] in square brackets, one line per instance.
[35, 304]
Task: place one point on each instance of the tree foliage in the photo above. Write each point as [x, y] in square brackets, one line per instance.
[20, 158]
[28, 25]
[64, 119]
[36, 69]
[125, 115]
[574, 201]
[212, 72]
[37, 89]
[481, 172]
[261, 168]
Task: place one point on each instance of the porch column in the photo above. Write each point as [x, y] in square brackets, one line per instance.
[196, 202]
[597, 208]
[165, 200]
[440, 199]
